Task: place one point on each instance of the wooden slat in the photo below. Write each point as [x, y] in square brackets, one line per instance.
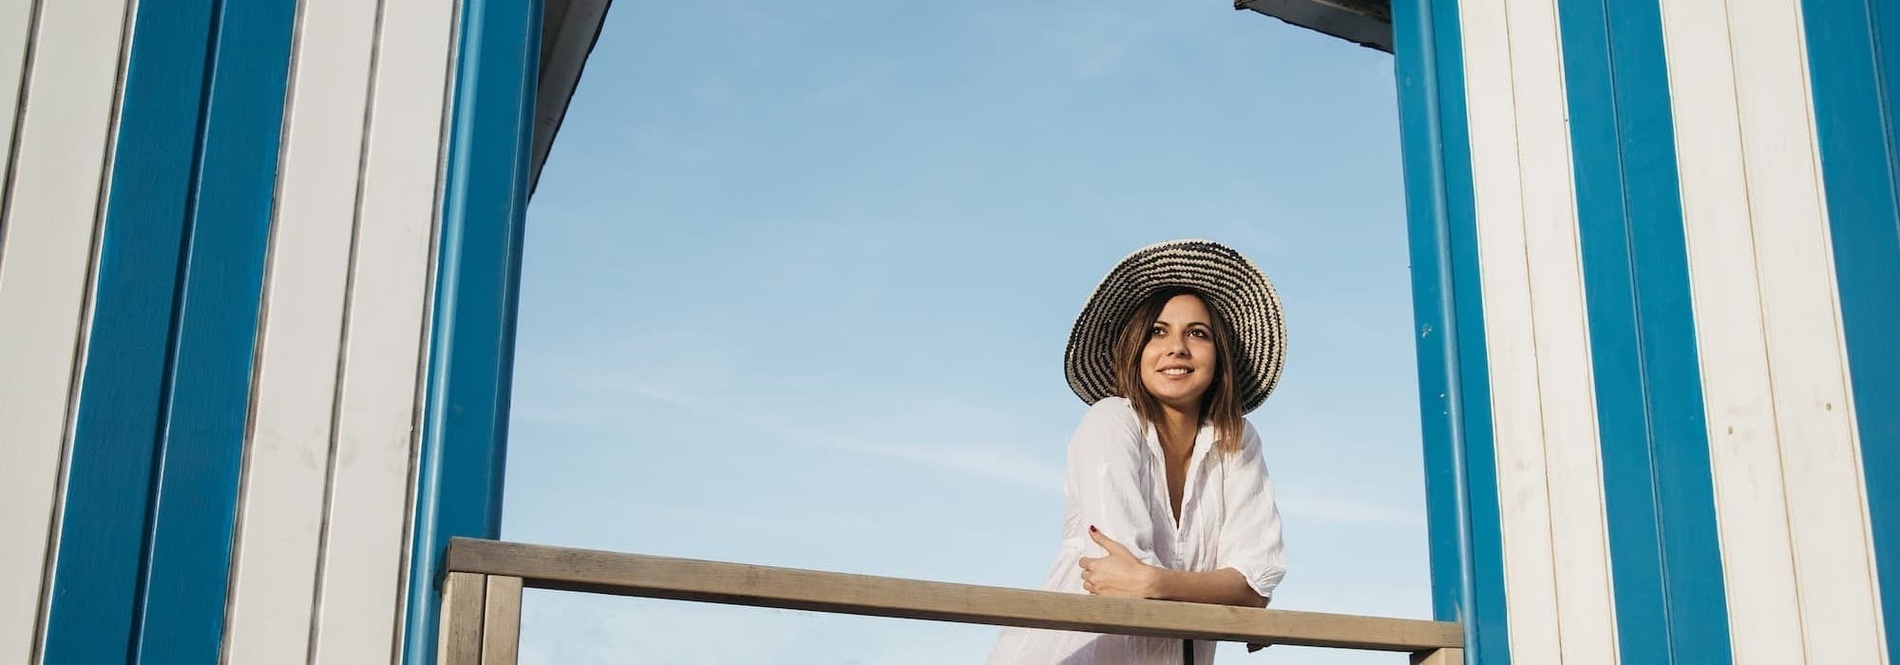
[462, 610]
[294, 394]
[59, 153]
[501, 621]
[1744, 459]
[1445, 656]
[612, 573]
[16, 17]
[1827, 520]
[1504, 161]
[358, 616]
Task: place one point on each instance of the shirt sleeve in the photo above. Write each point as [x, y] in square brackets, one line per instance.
[1108, 472]
[1250, 530]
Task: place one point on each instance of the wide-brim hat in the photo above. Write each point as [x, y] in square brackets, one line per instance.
[1230, 284]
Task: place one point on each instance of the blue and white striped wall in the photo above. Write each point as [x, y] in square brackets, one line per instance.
[1657, 268]
[257, 280]
[256, 306]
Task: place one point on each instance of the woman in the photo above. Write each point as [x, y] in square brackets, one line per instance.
[1167, 494]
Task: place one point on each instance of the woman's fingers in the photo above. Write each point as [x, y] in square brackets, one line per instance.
[1107, 543]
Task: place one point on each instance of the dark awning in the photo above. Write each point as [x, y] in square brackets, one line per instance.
[569, 29]
[1367, 23]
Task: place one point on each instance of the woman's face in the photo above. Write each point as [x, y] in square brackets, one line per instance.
[1177, 365]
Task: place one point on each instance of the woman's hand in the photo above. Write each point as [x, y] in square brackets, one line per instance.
[1119, 574]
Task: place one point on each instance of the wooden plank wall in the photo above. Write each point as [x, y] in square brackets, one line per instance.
[320, 552]
[320, 558]
[1783, 450]
[1556, 558]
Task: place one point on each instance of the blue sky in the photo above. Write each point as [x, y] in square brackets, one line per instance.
[798, 277]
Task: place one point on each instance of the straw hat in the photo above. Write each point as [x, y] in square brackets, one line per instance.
[1231, 285]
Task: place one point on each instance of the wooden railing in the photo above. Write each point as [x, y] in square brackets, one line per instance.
[481, 603]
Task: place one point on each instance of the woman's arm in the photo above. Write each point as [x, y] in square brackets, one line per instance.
[1107, 471]
[1249, 541]
[1225, 586]
[1121, 574]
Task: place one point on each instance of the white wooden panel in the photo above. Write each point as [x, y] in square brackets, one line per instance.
[15, 18]
[294, 394]
[1820, 462]
[1523, 503]
[1567, 398]
[1764, 618]
[364, 554]
[50, 225]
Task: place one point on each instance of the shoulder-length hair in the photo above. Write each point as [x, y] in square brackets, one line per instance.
[1220, 405]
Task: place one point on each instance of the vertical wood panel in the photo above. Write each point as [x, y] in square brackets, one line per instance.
[1806, 355]
[460, 459]
[1852, 70]
[1448, 312]
[1558, 321]
[50, 230]
[369, 496]
[1764, 617]
[1523, 502]
[1785, 457]
[16, 19]
[460, 641]
[501, 621]
[108, 489]
[185, 570]
[1659, 503]
[287, 463]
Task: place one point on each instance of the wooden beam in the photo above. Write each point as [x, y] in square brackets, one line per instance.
[461, 636]
[1445, 656]
[501, 621]
[545, 567]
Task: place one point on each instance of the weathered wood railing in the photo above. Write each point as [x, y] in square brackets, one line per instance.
[481, 603]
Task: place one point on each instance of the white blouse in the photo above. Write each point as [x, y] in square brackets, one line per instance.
[1116, 481]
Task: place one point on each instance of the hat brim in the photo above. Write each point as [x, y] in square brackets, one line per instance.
[1230, 284]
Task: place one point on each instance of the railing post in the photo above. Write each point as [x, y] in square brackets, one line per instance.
[1442, 656]
[501, 621]
[462, 609]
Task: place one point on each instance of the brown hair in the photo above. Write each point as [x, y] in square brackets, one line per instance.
[1220, 405]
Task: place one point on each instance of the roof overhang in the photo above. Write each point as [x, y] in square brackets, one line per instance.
[569, 30]
[1367, 23]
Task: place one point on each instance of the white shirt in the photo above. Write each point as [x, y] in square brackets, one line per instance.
[1116, 481]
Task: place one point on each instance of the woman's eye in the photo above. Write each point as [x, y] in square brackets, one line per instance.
[1197, 332]
[1155, 331]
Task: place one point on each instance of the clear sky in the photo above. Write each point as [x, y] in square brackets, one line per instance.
[798, 278]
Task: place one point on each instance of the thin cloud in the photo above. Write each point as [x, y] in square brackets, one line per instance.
[997, 463]
[1335, 510]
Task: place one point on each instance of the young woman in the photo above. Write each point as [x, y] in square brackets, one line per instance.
[1167, 495]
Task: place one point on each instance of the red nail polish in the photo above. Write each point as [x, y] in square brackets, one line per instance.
[1091, 527]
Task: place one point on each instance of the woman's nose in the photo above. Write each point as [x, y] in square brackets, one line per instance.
[1177, 346]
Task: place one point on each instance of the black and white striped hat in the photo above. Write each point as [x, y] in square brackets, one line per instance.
[1230, 284]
